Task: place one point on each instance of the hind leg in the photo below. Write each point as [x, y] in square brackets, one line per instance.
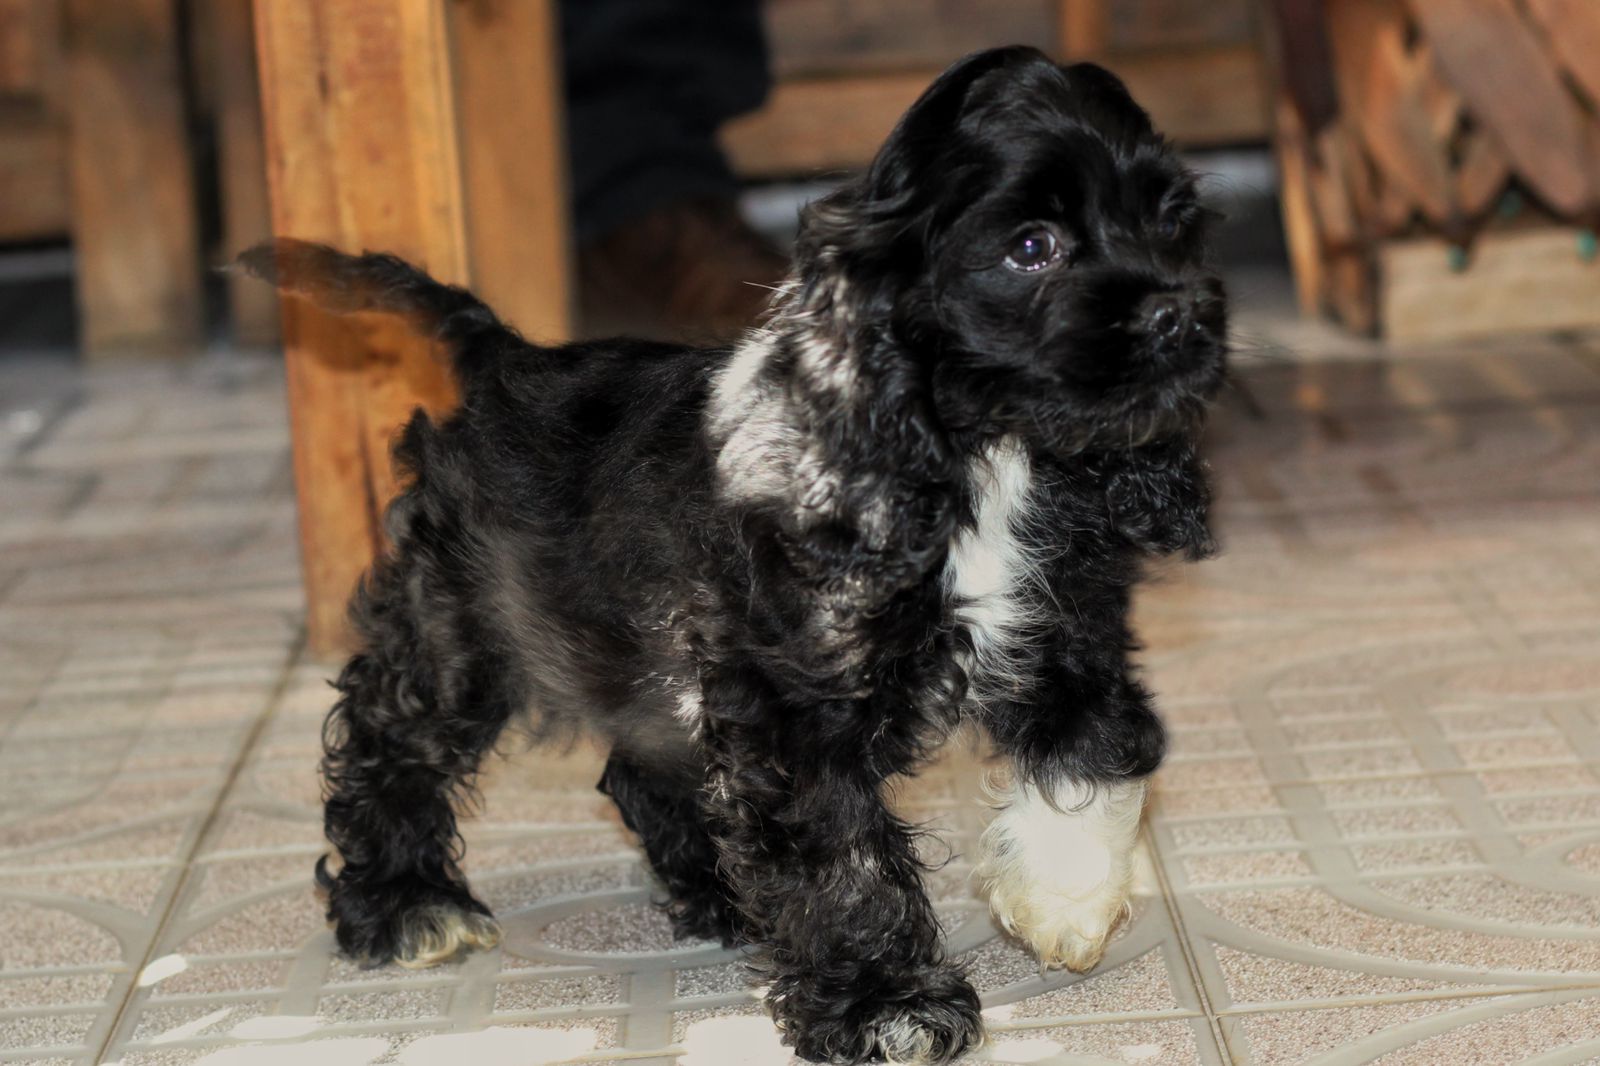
[398, 755]
[667, 817]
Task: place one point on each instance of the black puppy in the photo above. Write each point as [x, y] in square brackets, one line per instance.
[772, 577]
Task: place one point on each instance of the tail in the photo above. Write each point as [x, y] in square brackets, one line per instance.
[385, 283]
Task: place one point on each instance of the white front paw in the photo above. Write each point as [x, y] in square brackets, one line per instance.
[1058, 870]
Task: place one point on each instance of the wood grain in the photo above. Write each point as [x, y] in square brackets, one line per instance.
[361, 153]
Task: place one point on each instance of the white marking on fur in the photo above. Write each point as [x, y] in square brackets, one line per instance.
[431, 935]
[826, 362]
[904, 1039]
[989, 571]
[749, 418]
[690, 708]
[1058, 866]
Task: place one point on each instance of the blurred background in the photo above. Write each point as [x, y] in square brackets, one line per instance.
[1428, 169]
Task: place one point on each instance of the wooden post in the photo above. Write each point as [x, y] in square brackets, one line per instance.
[1084, 29]
[514, 159]
[360, 107]
[131, 179]
[241, 165]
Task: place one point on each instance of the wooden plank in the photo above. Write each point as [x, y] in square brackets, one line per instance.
[1573, 29]
[808, 125]
[1482, 173]
[361, 152]
[33, 176]
[1528, 281]
[815, 37]
[138, 277]
[1134, 25]
[1084, 29]
[1496, 61]
[1299, 215]
[28, 36]
[1385, 94]
[514, 162]
[241, 166]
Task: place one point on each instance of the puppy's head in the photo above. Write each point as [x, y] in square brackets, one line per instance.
[1029, 236]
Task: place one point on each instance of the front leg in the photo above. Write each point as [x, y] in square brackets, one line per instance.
[1057, 860]
[1159, 498]
[831, 894]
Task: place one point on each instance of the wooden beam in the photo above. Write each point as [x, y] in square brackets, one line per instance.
[361, 102]
[361, 153]
[131, 179]
[1514, 282]
[33, 171]
[1211, 96]
[241, 165]
[1085, 29]
[512, 132]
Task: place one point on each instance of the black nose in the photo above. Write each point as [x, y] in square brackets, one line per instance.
[1166, 316]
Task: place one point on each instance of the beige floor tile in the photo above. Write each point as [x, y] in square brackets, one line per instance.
[1504, 1029]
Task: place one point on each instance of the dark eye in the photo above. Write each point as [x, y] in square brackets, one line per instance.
[1169, 227]
[1033, 250]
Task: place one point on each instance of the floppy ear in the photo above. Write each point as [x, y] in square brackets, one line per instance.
[825, 420]
[868, 221]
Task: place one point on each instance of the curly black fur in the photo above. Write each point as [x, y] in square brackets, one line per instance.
[735, 566]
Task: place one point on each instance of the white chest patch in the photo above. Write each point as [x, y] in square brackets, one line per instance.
[989, 572]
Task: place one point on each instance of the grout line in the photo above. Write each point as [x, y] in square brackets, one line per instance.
[1425, 996]
[273, 701]
[1170, 902]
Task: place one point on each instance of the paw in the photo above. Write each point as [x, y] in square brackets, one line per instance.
[1064, 931]
[933, 1023]
[439, 932]
[1058, 868]
[411, 922]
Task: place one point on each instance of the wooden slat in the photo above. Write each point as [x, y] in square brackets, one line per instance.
[27, 39]
[1573, 30]
[33, 176]
[241, 165]
[1515, 282]
[361, 152]
[1384, 95]
[1496, 61]
[1204, 98]
[514, 163]
[1299, 215]
[1134, 25]
[1482, 173]
[815, 37]
[132, 190]
[1084, 30]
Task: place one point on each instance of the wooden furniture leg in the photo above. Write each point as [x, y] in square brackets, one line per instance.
[361, 102]
[241, 166]
[131, 179]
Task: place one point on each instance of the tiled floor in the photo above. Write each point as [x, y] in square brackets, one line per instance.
[1377, 840]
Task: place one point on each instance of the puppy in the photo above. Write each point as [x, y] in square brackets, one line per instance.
[774, 576]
